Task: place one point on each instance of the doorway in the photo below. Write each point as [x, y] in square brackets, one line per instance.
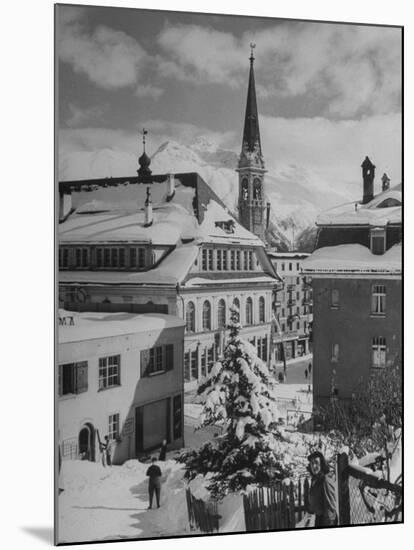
[86, 443]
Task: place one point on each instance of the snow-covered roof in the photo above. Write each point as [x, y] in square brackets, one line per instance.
[376, 212]
[172, 270]
[92, 325]
[353, 258]
[117, 215]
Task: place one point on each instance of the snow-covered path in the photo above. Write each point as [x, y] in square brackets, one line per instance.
[111, 503]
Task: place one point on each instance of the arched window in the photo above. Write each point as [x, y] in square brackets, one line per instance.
[261, 309]
[249, 311]
[206, 315]
[221, 314]
[190, 317]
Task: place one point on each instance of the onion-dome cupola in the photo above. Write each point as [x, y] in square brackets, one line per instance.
[144, 160]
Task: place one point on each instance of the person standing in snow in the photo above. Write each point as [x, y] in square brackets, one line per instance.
[154, 482]
[108, 451]
[322, 494]
[163, 451]
[306, 374]
[310, 368]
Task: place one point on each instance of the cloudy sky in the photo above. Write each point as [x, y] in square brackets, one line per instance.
[328, 94]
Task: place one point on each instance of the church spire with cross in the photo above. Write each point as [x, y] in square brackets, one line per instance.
[251, 167]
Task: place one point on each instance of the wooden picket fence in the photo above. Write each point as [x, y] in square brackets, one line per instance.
[202, 515]
[281, 506]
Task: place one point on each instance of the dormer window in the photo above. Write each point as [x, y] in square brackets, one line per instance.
[378, 240]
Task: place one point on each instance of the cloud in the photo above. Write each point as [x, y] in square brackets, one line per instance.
[79, 116]
[355, 70]
[147, 90]
[109, 58]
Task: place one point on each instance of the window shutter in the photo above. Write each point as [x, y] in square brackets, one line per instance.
[169, 357]
[145, 354]
[81, 374]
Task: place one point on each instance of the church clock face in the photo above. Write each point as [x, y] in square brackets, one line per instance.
[245, 189]
[257, 189]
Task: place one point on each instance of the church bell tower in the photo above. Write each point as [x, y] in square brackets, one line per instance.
[251, 167]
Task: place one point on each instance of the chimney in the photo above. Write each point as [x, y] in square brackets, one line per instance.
[148, 209]
[267, 215]
[65, 205]
[385, 182]
[368, 175]
[170, 187]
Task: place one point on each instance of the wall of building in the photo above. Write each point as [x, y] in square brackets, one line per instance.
[352, 326]
[94, 406]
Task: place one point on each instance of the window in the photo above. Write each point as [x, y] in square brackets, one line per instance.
[378, 300]
[221, 314]
[297, 280]
[238, 255]
[298, 266]
[81, 257]
[219, 260]
[157, 359]
[251, 260]
[206, 315]
[298, 325]
[379, 352]
[190, 317]
[73, 378]
[334, 298]
[225, 263]
[137, 257]
[210, 259]
[99, 257]
[204, 259]
[245, 260]
[378, 240]
[63, 257]
[249, 311]
[114, 257]
[290, 266]
[283, 327]
[107, 257]
[113, 428]
[194, 365]
[187, 366]
[232, 260]
[262, 348]
[283, 267]
[109, 371]
[335, 352]
[283, 312]
[204, 363]
[210, 358]
[297, 295]
[261, 309]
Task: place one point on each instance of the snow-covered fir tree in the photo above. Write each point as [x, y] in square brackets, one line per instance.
[239, 395]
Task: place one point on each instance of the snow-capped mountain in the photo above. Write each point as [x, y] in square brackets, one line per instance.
[296, 195]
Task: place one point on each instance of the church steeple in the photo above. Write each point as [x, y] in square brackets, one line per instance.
[251, 167]
[251, 132]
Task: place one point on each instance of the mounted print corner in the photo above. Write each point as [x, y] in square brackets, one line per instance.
[229, 248]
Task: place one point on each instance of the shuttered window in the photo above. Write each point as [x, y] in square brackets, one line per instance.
[157, 360]
[73, 378]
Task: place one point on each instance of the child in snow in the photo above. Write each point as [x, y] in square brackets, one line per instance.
[154, 483]
[163, 451]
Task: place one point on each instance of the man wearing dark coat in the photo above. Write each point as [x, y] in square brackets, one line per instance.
[154, 483]
[322, 493]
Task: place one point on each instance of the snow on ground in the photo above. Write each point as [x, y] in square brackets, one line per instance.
[111, 503]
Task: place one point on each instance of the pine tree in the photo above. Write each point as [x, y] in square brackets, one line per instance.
[238, 394]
